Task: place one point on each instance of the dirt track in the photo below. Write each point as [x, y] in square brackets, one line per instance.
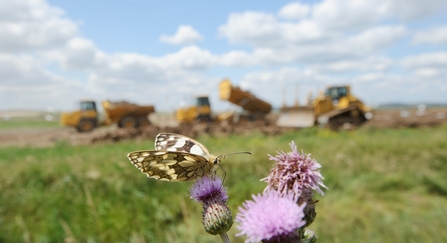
[50, 136]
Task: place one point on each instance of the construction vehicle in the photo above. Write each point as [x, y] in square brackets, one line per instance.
[124, 114]
[333, 108]
[199, 112]
[254, 108]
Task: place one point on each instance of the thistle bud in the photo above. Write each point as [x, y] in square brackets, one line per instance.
[216, 216]
[309, 236]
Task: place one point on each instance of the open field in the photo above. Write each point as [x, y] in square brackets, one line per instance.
[386, 185]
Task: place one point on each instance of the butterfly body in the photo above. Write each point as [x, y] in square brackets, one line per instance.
[175, 158]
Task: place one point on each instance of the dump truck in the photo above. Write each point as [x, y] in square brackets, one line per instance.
[124, 114]
[254, 108]
[333, 108]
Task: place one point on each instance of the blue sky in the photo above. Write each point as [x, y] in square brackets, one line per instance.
[53, 53]
[135, 26]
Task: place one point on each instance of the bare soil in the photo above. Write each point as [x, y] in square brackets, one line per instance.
[44, 137]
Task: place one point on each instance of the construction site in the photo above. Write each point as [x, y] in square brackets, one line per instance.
[335, 108]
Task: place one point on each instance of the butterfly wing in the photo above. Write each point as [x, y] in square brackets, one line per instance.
[170, 165]
[180, 143]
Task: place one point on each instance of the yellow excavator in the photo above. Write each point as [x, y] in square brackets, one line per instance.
[333, 108]
[124, 114]
[253, 108]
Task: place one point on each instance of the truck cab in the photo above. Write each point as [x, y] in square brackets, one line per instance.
[200, 111]
[85, 119]
[337, 92]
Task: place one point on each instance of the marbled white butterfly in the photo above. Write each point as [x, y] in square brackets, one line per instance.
[175, 158]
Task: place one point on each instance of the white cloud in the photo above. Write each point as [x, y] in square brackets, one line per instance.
[409, 10]
[33, 25]
[365, 64]
[19, 70]
[136, 77]
[261, 30]
[52, 39]
[236, 59]
[295, 11]
[428, 72]
[26, 83]
[355, 15]
[190, 57]
[135, 68]
[255, 28]
[376, 38]
[335, 49]
[434, 36]
[433, 59]
[371, 86]
[77, 54]
[45, 60]
[185, 35]
[306, 41]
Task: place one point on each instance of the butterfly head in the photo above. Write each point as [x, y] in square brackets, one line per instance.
[215, 161]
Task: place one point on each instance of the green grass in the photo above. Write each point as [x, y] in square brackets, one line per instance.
[33, 122]
[385, 186]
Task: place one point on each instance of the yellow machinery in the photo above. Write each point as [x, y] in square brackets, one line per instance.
[255, 109]
[84, 119]
[334, 108]
[124, 114]
[199, 112]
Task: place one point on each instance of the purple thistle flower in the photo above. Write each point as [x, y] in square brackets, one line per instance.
[296, 173]
[206, 188]
[216, 216]
[270, 217]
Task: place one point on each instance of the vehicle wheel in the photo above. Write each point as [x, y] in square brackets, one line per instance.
[203, 120]
[128, 122]
[143, 122]
[85, 126]
[242, 120]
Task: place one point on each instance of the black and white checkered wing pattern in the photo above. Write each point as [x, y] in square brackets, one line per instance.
[169, 165]
[175, 158]
[180, 143]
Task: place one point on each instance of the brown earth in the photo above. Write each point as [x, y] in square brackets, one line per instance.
[408, 118]
[49, 136]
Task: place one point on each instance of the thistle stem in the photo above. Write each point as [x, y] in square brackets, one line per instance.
[225, 238]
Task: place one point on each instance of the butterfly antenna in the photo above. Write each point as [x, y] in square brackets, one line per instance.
[223, 155]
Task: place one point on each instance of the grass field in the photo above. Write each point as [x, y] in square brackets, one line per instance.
[385, 186]
[35, 122]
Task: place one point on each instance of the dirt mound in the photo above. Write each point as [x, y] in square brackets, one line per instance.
[381, 119]
[192, 131]
[49, 136]
[408, 118]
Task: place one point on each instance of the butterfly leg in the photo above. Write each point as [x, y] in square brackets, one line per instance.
[224, 176]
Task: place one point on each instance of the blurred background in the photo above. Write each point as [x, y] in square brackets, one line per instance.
[361, 85]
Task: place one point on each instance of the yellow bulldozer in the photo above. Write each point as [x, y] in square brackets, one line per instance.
[253, 107]
[334, 108]
[124, 114]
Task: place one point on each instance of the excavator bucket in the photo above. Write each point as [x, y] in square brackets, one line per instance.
[298, 116]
